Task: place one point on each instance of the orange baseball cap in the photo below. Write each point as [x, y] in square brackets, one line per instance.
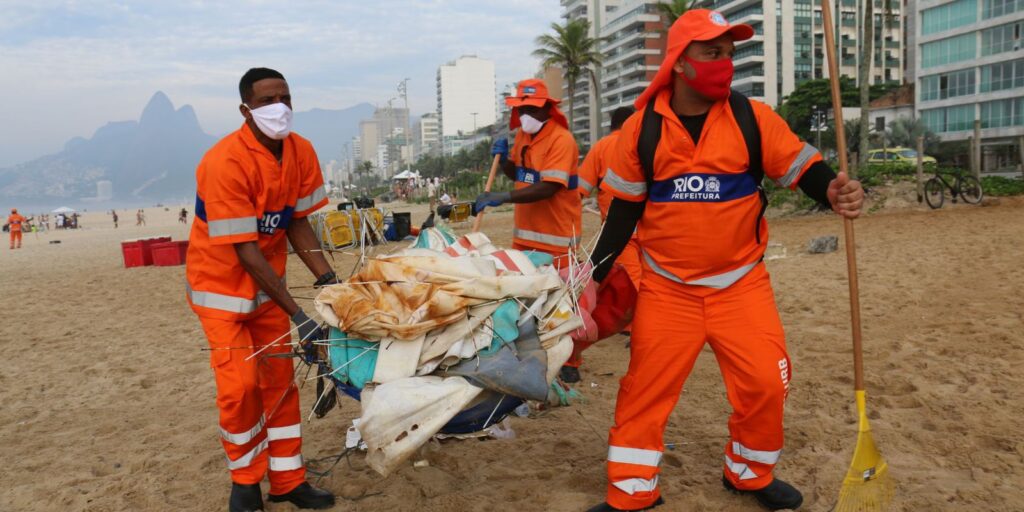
[533, 92]
[694, 25]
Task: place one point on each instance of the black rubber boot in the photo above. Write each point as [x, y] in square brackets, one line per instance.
[245, 498]
[604, 507]
[777, 495]
[569, 374]
[305, 496]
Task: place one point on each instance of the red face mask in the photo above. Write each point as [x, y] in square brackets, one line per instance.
[713, 78]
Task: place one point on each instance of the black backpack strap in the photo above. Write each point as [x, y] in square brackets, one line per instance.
[743, 112]
[647, 144]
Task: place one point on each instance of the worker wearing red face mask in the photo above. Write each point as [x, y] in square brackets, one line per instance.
[687, 176]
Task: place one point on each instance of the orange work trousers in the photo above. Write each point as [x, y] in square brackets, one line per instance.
[673, 322]
[630, 260]
[258, 402]
[15, 238]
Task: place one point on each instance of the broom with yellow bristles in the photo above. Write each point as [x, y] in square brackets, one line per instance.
[868, 486]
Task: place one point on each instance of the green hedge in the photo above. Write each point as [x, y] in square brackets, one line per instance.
[1000, 186]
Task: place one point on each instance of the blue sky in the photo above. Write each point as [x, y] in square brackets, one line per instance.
[70, 66]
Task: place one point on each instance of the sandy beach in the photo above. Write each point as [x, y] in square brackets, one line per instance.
[107, 400]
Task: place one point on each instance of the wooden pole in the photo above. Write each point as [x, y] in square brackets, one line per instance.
[1020, 149]
[851, 254]
[490, 181]
[920, 169]
[977, 149]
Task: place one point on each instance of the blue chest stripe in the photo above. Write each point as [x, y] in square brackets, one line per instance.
[530, 176]
[267, 223]
[703, 188]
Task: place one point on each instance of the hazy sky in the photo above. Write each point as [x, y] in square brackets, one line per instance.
[70, 66]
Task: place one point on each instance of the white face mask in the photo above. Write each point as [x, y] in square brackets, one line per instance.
[274, 120]
[530, 125]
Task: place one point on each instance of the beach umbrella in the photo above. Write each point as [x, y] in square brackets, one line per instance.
[868, 485]
[63, 209]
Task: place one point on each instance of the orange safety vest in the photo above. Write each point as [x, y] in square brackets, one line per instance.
[594, 167]
[14, 222]
[243, 194]
[703, 223]
[552, 225]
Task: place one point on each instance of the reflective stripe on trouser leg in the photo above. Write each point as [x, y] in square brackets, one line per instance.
[239, 400]
[281, 404]
[663, 350]
[746, 334]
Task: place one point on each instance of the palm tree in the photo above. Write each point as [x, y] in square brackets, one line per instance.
[573, 50]
[867, 58]
[671, 10]
[904, 131]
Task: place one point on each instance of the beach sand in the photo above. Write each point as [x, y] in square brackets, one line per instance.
[107, 401]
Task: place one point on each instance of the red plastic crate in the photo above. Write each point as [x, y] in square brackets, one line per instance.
[138, 253]
[166, 254]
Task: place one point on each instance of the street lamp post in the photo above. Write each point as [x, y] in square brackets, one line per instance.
[474, 114]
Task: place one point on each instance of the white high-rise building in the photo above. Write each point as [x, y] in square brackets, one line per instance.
[466, 96]
[970, 66]
[428, 135]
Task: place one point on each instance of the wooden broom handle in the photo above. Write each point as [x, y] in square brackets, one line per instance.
[487, 188]
[851, 249]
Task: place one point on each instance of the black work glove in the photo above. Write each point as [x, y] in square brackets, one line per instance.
[309, 331]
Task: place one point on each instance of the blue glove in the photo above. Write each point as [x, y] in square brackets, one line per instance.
[309, 331]
[490, 199]
[500, 147]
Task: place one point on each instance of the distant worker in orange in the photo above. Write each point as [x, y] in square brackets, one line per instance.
[254, 190]
[14, 224]
[686, 178]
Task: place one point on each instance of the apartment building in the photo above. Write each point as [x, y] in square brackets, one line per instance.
[970, 66]
[466, 95]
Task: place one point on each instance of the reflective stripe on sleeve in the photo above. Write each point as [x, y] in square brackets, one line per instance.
[806, 153]
[743, 472]
[558, 175]
[586, 186]
[311, 200]
[236, 226]
[286, 463]
[635, 485]
[633, 188]
[289, 432]
[533, 236]
[227, 303]
[245, 460]
[634, 456]
[719, 281]
[244, 437]
[762, 456]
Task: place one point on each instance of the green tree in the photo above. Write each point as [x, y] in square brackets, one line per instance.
[671, 10]
[573, 50]
[904, 131]
[798, 107]
[864, 75]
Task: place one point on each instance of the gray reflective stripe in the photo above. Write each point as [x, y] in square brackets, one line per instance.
[289, 432]
[226, 302]
[558, 175]
[286, 463]
[243, 437]
[634, 485]
[724, 280]
[236, 226]
[764, 457]
[586, 186]
[806, 153]
[533, 236]
[634, 456]
[633, 188]
[311, 200]
[743, 472]
[245, 460]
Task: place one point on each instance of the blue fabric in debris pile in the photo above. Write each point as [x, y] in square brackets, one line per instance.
[423, 240]
[505, 328]
[356, 368]
[539, 259]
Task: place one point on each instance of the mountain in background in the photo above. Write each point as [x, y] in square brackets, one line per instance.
[152, 159]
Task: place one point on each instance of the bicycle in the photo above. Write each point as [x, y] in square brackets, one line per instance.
[967, 187]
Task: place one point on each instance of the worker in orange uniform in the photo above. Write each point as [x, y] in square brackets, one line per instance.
[592, 172]
[254, 190]
[14, 222]
[687, 176]
[544, 156]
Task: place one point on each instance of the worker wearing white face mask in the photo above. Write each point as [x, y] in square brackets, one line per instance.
[543, 165]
